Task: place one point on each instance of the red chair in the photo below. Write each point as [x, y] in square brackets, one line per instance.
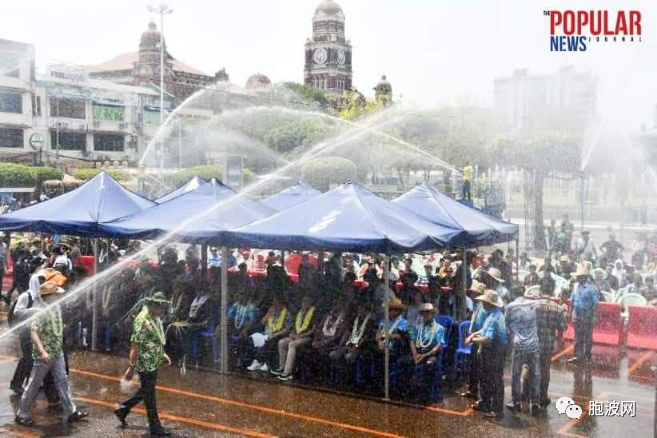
[642, 327]
[608, 325]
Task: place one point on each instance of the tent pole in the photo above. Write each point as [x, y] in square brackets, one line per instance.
[518, 258]
[464, 283]
[94, 302]
[224, 310]
[283, 259]
[386, 316]
[204, 261]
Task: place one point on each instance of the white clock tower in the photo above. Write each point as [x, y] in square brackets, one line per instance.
[328, 54]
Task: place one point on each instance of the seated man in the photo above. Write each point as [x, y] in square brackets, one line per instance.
[329, 332]
[202, 316]
[427, 340]
[397, 329]
[263, 345]
[241, 319]
[288, 347]
[354, 341]
[532, 279]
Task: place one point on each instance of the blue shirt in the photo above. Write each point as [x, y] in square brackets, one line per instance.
[585, 298]
[520, 320]
[425, 334]
[246, 314]
[478, 318]
[494, 327]
[402, 326]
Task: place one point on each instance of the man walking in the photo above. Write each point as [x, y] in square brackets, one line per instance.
[585, 303]
[146, 356]
[48, 355]
[549, 318]
[521, 324]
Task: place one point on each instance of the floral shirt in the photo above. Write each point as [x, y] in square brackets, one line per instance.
[148, 333]
[49, 327]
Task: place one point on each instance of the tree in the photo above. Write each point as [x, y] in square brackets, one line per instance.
[322, 172]
[287, 136]
[539, 154]
[309, 94]
[18, 175]
[206, 172]
[87, 174]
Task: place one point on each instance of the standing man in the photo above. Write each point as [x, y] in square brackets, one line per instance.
[520, 321]
[48, 355]
[467, 178]
[146, 356]
[549, 318]
[586, 247]
[585, 303]
[493, 340]
[476, 323]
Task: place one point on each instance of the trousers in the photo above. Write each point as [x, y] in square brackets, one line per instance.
[145, 393]
[475, 369]
[492, 377]
[287, 352]
[584, 337]
[545, 362]
[24, 369]
[519, 359]
[39, 371]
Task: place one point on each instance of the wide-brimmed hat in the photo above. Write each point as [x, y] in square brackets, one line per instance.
[496, 275]
[564, 258]
[582, 270]
[395, 303]
[157, 298]
[491, 297]
[50, 288]
[478, 287]
[427, 307]
[601, 272]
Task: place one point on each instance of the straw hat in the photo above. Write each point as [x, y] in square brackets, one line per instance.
[478, 287]
[491, 297]
[565, 258]
[50, 288]
[395, 303]
[600, 271]
[158, 298]
[582, 270]
[427, 307]
[496, 274]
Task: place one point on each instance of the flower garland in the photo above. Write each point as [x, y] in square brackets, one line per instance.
[303, 322]
[358, 332]
[330, 331]
[419, 342]
[156, 325]
[278, 325]
[240, 315]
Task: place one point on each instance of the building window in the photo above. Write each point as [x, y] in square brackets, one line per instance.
[36, 105]
[109, 113]
[11, 138]
[68, 108]
[69, 141]
[109, 142]
[11, 102]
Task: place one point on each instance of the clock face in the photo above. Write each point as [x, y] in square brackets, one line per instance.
[341, 57]
[320, 56]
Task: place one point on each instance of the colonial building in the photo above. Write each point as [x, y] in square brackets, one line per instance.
[383, 91]
[143, 67]
[328, 54]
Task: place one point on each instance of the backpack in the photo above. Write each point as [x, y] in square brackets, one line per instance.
[11, 317]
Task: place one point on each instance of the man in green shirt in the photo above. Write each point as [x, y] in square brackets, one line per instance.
[146, 356]
[47, 353]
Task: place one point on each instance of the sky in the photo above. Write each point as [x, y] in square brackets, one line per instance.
[434, 52]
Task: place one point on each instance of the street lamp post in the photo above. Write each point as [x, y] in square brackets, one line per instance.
[162, 10]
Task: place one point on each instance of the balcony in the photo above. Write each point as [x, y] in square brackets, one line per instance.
[15, 83]
[111, 126]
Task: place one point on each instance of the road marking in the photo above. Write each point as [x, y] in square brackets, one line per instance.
[563, 352]
[176, 418]
[252, 406]
[585, 412]
[640, 361]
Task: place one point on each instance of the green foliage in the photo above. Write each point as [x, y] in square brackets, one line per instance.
[17, 175]
[322, 172]
[87, 174]
[545, 152]
[310, 94]
[357, 106]
[207, 171]
[286, 136]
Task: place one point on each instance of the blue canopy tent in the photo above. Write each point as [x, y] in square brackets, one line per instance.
[190, 185]
[292, 196]
[347, 218]
[78, 212]
[215, 205]
[478, 228]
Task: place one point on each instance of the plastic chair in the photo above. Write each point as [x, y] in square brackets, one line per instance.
[559, 283]
[534, 291]
[521, 275]
[207, 334]
[609, 297]
[462, 351]
[447, 322]
[628, 300]
[620, 293]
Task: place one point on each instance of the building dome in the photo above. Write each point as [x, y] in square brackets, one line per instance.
[258, 80]
[328, 7]
[383, 86]
[150, 39]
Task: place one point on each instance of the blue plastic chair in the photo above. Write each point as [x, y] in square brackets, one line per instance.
[448, 324]
[462, 351]
[207, 334]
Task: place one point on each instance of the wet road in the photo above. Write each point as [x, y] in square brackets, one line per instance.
[203, 403]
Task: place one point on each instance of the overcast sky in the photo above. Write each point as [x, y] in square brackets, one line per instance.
[433, 51]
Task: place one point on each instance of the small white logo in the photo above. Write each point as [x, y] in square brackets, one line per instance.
[566, 405]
